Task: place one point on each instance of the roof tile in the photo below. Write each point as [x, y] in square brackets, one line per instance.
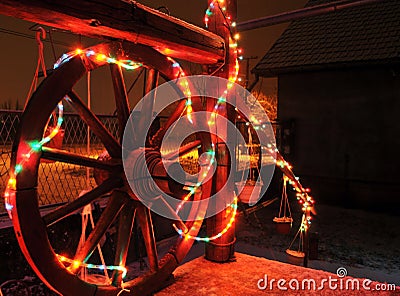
[366, 33]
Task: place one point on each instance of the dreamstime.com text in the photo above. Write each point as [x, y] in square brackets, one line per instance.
[340, 282]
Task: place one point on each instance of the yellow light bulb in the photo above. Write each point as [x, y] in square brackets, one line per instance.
[76, 264]
[100, 57]
[12, 183]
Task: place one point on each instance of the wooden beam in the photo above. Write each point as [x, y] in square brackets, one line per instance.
[122, 20]
[222, 248]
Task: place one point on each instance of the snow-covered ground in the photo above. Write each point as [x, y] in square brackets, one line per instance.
[249, 275]
[366, 243]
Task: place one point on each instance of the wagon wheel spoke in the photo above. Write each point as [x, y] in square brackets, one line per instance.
[146, 113]
[74, 158]
[121, 97]
[146, 225]
[79, 203]
[172, 213]
[114, 206]
[125, 225]
[110, 143]
[178, 112]
[157, 138]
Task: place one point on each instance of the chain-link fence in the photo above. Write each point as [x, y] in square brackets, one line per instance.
[57, 182]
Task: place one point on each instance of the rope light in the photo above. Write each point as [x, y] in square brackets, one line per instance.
[302, 194]
[207, 239]
[76, 264]
[222, 99]
[186, 88]
[98, 57]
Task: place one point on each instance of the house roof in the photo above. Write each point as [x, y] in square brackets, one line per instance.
[367, 34]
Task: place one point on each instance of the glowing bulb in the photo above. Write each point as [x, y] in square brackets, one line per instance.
[12, 182]
[100, 57]
[36, 146]
[18, 168]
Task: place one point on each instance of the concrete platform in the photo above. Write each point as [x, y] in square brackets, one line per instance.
[248, 274]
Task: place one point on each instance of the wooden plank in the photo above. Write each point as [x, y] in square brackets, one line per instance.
[122, 20]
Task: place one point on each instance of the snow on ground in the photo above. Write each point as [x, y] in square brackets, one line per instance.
[243, 276]
[355, 239]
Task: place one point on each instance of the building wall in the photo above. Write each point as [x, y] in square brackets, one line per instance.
[346, 138]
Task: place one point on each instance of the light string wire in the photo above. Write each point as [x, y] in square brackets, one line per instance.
[76, 264]
[302, 194]
[216, 4]
[206, 239]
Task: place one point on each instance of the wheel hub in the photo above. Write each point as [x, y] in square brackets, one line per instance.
[148, 177]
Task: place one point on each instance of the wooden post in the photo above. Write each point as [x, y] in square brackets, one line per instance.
[222, 249]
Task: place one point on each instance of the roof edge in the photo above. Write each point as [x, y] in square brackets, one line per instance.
[273, 72]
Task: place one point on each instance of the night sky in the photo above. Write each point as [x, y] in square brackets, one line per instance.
[19, 50]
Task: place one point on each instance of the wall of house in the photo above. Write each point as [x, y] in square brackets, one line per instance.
[345, 139]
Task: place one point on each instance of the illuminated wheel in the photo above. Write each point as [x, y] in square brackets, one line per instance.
[64, 274]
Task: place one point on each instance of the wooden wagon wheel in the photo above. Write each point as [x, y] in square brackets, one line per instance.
[31, 228]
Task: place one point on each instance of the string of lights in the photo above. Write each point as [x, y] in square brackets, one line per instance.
[233, 75]
[302, 194]
[206, 239]
[77, 264]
